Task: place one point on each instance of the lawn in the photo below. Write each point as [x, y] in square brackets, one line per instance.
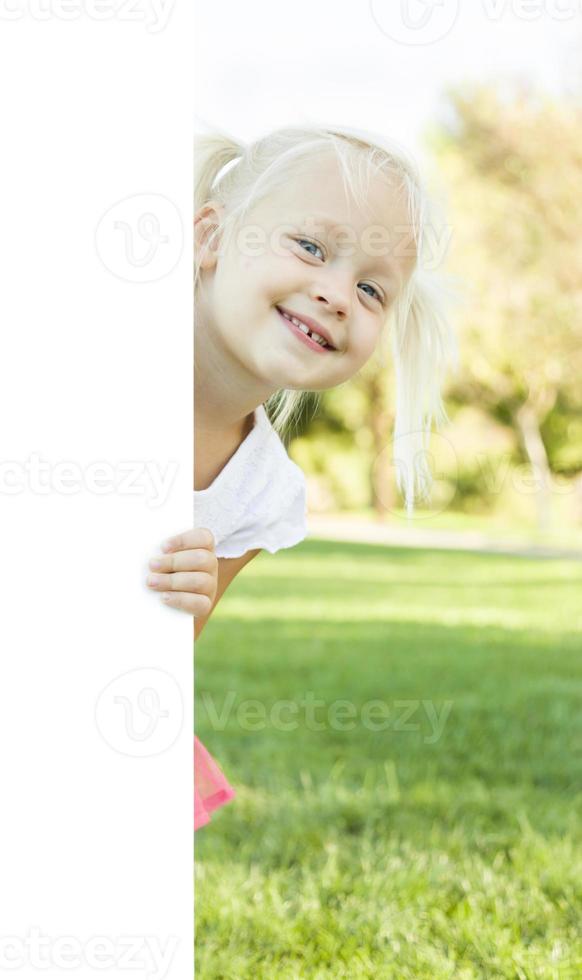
[404, 732]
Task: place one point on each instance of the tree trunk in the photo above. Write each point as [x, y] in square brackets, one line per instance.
[381, 472]
[529, 417]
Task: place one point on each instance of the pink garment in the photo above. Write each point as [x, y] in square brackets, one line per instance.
[211, 787]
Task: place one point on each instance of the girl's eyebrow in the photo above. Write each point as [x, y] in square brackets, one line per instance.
[389, 267]
[324, 219]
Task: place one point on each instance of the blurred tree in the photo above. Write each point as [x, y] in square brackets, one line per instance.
[513, 165]
[372, 425]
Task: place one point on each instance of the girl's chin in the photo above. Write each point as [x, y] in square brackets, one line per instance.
[282, 366]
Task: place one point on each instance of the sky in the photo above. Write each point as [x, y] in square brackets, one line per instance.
[383, 65]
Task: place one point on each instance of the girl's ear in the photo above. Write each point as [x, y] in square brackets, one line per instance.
[207, 223]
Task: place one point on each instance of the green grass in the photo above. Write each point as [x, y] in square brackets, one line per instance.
[414, 851]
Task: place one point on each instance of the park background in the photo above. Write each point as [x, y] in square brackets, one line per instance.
[422, 848]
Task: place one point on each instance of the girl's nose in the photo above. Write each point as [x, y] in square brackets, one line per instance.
[335, 295]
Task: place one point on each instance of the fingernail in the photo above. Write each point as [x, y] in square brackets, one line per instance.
[166, 596]
[153, 580]
[156, 563]
[167, 545]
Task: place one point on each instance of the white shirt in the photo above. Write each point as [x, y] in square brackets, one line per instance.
[258, 500]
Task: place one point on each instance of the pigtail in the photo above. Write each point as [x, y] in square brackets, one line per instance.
[424, 347]
[213, 152]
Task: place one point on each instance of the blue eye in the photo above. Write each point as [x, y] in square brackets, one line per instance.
[305, 241]
[374, 290]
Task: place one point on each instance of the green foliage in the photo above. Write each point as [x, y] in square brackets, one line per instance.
[395, 854]
[512, 168]
[562, 433]
[341, 466]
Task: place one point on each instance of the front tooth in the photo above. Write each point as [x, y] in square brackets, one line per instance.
[311, 333]
[304, 329]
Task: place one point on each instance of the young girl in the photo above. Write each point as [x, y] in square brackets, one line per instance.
[309, 244]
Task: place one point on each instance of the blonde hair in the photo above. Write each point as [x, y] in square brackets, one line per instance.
[238, 176]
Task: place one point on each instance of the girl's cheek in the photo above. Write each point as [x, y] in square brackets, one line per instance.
[364, 345]
[365, 354]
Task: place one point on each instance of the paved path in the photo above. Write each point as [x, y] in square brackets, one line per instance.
[366, 532]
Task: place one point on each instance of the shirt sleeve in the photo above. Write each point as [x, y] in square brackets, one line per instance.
[272, 529]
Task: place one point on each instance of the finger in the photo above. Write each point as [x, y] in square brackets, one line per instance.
[199, 560]
[199, 582]
[195, 537]
[195, 605]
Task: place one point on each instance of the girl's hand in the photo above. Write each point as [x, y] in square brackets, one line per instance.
[187, 572]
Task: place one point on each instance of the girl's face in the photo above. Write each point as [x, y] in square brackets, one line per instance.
[306, 252]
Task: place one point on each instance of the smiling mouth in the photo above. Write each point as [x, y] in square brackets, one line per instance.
[314, 337]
